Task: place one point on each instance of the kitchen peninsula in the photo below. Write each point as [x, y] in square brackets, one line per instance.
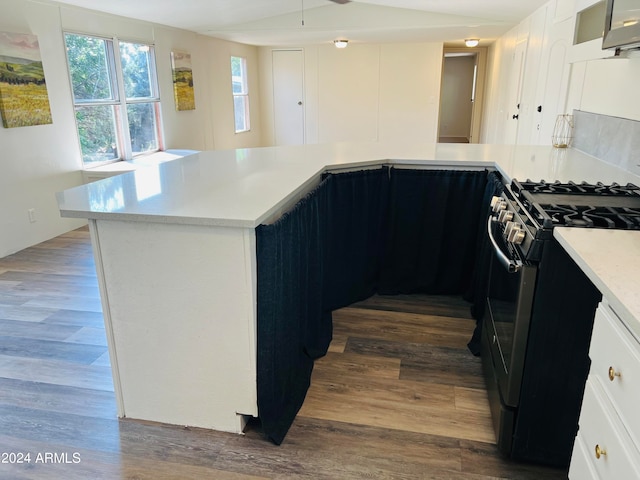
[175, 249]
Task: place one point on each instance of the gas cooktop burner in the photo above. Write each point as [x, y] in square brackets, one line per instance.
[592, 217]
[583, 188]
[591, 205]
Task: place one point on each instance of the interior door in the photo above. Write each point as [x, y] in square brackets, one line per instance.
[554, 81]
[288, 97]
[515, 92]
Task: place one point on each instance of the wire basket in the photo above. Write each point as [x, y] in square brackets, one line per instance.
[563, 131]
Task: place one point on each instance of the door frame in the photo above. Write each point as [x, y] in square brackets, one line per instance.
[478, 103]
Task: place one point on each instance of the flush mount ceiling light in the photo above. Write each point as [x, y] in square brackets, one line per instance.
[341, 43]
[471, 42]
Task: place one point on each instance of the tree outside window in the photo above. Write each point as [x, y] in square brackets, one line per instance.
[240, 94]
[116, 119]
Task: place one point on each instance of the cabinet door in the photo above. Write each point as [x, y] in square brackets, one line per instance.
[529, 83]
[553, 81]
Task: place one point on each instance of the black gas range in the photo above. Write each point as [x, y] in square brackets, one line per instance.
[539, 311]
[530, 210]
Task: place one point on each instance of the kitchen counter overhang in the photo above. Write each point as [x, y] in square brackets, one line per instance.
[247, 187]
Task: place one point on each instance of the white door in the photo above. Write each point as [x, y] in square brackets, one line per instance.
[288, 97]
[515, 92]
[554, 81]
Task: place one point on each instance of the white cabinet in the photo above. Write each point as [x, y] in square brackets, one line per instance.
[608, 442]
[529, 78]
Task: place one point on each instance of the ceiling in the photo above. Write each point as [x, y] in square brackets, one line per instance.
[305, 22]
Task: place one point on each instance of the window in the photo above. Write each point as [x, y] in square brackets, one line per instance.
[240, 94]
[116, 100]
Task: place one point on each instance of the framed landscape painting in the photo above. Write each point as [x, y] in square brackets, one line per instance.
[183, 81]
[24, 100]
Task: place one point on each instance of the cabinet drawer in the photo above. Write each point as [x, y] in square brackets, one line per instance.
[581, 467]
[615, 361]
[603, 435]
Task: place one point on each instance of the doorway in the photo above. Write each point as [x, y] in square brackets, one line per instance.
[461, 95]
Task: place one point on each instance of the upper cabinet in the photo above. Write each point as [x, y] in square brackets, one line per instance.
[589, 28]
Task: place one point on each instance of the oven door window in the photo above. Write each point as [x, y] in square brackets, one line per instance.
[509, 300]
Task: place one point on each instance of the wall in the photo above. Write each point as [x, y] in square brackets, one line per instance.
[588, 80]
[496, 119]
[38, 161]
[366, 92]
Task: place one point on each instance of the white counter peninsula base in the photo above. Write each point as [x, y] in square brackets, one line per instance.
[179, 309]
[175, 250]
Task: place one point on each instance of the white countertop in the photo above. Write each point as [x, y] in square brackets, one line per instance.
[611, 260]
[246, 187]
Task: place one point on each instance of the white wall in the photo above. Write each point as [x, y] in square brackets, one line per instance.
[38, 161]
[595, 84]
[496, 108]
[216, 57]
[366, 92]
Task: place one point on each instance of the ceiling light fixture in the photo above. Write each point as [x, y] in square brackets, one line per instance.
[341, 43]
[471, 42]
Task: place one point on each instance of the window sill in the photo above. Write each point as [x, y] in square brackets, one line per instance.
[124, 166]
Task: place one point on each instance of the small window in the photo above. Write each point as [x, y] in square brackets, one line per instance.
[240, 94]
[116, 119]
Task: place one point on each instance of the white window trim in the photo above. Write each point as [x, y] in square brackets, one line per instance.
[244, 94]
[123, 135]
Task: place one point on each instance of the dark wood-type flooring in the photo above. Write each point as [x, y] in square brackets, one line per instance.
[397, 396]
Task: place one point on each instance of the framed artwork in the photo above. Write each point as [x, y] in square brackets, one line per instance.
[182, 81]
[24, 100]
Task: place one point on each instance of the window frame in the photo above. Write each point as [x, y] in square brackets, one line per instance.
[119, 101]
[242, 95]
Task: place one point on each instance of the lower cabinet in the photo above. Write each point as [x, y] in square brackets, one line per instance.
[607, 445]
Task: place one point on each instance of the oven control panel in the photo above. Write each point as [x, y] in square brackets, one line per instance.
[507, 213]
[504, 213]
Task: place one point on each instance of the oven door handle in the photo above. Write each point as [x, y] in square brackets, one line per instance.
[512, 266]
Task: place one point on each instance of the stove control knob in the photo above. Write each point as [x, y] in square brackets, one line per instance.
[498, 204]
[505, 216]
[508, 228]
[516, 235]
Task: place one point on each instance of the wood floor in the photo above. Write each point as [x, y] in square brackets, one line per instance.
[398, 396]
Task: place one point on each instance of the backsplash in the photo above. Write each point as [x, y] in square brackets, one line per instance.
[611, 139]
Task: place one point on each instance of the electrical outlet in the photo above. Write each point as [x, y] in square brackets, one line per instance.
[32, 215]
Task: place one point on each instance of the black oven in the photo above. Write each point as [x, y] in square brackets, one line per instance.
[506, 327]
[539, 313]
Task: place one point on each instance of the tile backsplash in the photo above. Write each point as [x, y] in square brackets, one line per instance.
[611, 139]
